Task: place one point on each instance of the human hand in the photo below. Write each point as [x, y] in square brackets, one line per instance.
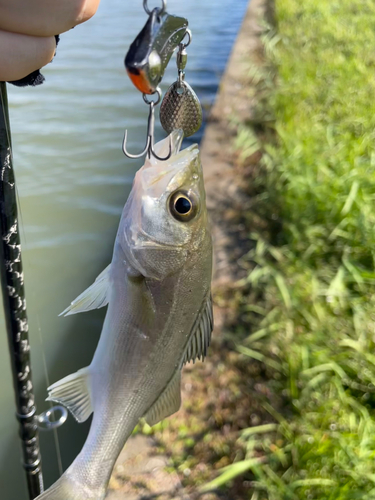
[27, 29]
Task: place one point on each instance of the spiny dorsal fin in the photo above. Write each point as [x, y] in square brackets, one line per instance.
[168, 402]
[73, 392]
[201, 334]
[94, 297]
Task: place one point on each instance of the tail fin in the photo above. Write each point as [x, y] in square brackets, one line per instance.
[61, 490]
[64, 489]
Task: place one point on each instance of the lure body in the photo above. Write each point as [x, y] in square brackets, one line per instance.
[149, 54]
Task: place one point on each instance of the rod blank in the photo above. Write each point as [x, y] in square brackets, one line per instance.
[13, 292]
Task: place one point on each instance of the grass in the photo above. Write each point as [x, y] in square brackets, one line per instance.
[312, 271]
[202, 437]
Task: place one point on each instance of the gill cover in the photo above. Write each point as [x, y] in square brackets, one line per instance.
[149, 54]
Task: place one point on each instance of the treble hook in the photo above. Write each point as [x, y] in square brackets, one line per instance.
[149, 148]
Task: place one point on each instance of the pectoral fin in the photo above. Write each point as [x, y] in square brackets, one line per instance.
[94, 297]
[168, 402]
[201, 334]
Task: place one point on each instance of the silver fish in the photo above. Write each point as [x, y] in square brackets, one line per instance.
[159, 317]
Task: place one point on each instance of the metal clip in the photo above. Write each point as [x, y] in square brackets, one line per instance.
[44, 421]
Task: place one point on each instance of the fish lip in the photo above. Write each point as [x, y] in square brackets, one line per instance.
[158, 180]
[175, 140]
[173, 167]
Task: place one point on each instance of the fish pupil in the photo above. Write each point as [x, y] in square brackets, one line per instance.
[182, 206]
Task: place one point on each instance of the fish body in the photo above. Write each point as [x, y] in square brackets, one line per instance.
[159, 316]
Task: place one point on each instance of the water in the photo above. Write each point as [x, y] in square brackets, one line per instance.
[73, 181]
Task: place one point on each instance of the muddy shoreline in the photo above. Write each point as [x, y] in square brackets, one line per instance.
[145, 468]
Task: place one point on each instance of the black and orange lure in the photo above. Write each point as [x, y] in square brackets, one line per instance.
[149, 54]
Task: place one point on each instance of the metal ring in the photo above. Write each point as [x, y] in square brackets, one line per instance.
[44, 422]
[161, 11]
[25, 416]
[33, 465]
[190, 35]
[157, 91]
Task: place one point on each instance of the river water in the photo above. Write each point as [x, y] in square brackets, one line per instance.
[73, 181]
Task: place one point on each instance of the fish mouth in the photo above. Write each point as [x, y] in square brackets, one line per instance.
[171, 143]
[160, 180]
[163, 176]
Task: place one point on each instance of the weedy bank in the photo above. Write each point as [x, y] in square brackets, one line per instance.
[308, 304]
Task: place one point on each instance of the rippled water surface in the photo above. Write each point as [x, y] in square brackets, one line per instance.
[73, 181]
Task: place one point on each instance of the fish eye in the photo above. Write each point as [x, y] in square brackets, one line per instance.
[183, 206]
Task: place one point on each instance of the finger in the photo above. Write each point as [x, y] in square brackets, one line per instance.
[44, 17]
[20, 55]
[88, 10]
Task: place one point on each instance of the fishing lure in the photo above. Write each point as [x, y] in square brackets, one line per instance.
[145, 64]
[151, 51]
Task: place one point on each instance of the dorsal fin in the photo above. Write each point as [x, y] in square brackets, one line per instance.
[94, 297]
[167, 403]
[201, 334]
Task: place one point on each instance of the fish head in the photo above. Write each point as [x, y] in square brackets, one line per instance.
[165, 219]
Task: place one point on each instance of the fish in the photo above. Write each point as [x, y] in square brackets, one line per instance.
[159, 317]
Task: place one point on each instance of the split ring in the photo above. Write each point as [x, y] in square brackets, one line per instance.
[161, 11]
[155, 103]
[190, 37]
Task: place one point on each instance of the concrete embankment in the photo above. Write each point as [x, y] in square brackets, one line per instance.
[140, 471]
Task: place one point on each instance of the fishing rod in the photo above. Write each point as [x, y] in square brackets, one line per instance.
[13, 292]
[14, 302]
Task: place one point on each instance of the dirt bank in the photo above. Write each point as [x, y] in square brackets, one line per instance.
[188, 448]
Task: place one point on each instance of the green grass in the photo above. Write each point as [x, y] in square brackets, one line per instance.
[313, 264]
